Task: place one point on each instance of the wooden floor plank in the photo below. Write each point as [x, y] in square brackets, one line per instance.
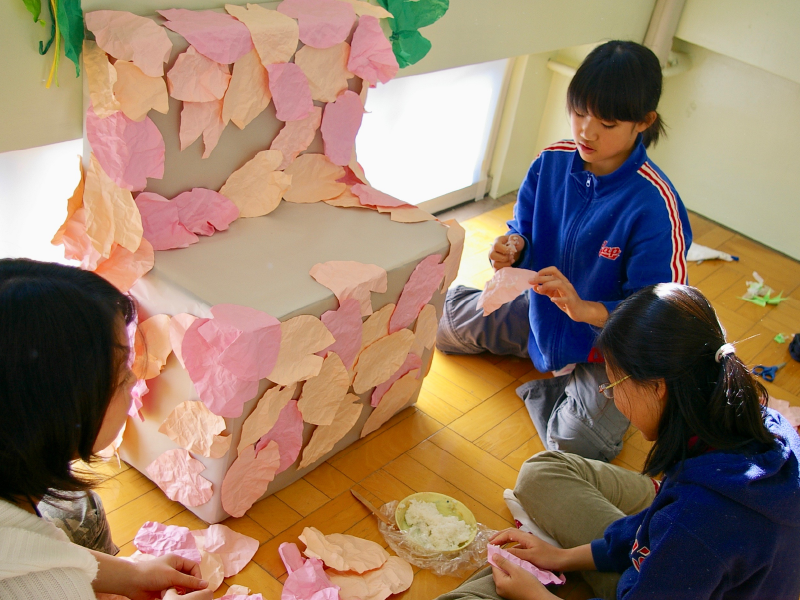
[488, 414]
[436, 408]
[508, 435]
[484, 462]
[329, 480]
[302, 497]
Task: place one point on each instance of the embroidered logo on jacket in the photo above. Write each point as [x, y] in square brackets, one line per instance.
[608, 252]
[638, 554]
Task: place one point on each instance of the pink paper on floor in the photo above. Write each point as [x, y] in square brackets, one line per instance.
[381, 359]
[350, 279]
[545, 577]
[371, 55]
[456, 236]
[306, 579]
[161, 223]
[263, 418]
[322, 395]
[248, 478]
[417, 292]
[274, 35]
[325, 437]
[157, 539]
[393, 577]
[369, 196]
[217, 36]
[301, 338]
[345, 325]
[396, 398]
[248, 92]
[314, 178]
[290, 92]
[126, 36]
[340, 124]
[326, 70]
[196, 78]
[178, 476]
[411, 363]
[256, 187]
[234, 549]
[296, 136]
[323, 23]
[138, 93]
[505, 285]
[192, 426]
[201, 118]
[124, 268]
[287, 433]
[204, 211]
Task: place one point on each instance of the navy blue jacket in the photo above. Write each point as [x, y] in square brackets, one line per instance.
[610, 236]
[726, 525]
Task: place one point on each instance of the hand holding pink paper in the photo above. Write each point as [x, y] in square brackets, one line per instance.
[545, 577]
[156, 539]
[503, 287]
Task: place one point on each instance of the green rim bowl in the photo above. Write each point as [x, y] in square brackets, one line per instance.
[447, 506]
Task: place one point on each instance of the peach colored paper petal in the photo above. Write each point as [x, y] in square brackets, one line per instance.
[177, 329]
[325, 437]
[411, 363]
[100, 75]
[369, 196]
[77, 245]
[301, 338]
[345, 325]
[263, 418]
[129, 152]
[211, 569]
[417, 292]
[204, 211]
[350, 279]
[126, 36]
[296, 136]
[323, 23]
[290, 92]
[157, 539]
[380, 360]
[248, 93]
[192, 426]
[217, 36]
[365, 8]
[322, 395]
[234, 549]
[505, 285]
[138, 93]
[425, 330]
[343, 552]
[201, 118]
[178, 476]
[326, 70]
[456, 236]
[393, 577]
[371, 55]
[313, 179]
[287, 433]
[195, 78]
[124, 268]
[377, 326]
[161, 223]
[340, 124]
[274, 35]
[74, 203]
[152, 347]
[395, 399]
[256, 188]
[248, 478]
[409, 214]
[252, 340]
[347, 200]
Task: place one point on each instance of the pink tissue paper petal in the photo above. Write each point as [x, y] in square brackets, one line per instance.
[287, 433]
[369, 196]
[340, 124]
[345, 325]
[126, 36]
[417, 292]
[296, 136]
[204, 211]
[129, 151]
[412, 362]
[157, 539]
[178, 475]
[201, 118]
[161, 223]
[234, 549]
[290, 92]
[545, 577]
[248, 478]
[137, 391]
[196, 78]
[252, 353]
[323, 23]
[306, 580]
[505, 285]
[371, 55]
[217, 36]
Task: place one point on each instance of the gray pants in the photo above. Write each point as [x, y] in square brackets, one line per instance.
[573, 499]
[568, 412]
[82, 518]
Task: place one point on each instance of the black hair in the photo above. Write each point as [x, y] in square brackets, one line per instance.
[619, 81]
[61, 361]
[670, 331]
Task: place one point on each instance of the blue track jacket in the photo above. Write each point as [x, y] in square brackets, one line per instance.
[610, 236]
[726, 525]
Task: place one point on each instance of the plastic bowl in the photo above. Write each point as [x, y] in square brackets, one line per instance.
[446, 506]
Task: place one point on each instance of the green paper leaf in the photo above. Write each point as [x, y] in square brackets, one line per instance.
[35, 8]
[70, 22]
[781, 338]
[409, 47]
[776, 300]
[410, 15]
[43, 48]
[760, 301]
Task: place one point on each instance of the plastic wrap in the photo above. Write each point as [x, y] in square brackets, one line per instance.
[458, 563]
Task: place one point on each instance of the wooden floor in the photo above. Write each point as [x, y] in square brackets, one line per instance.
[469, 432]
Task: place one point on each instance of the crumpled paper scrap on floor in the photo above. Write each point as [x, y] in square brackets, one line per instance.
[371, 55]
[545, 577]
[417, 292]
[456, 236]
[393, 577]
[340, 124]
[296, 136]
[393, 400]
[505, 285]
[365, 8]
[138, 93]
[215, 35]
[325, 69]
[323, 23]
[782, 338]
[760, 293]
[100, 75]
[425, 330]
[306, 580]
[256, 188]
[128, 151]
[177, 329]
[234, 549]
[313, 179]
[126, 36]
[412, 362]
[290, 92]
[248, 478]
[369, 196]
[380, 360]
[178, 476]
[157, 539]
[124, 268]
[344, 324]
[196, 78]
[343, 552]
[351, 279]
[248, 92]
[161, 223]
[376, 326]
[323, 395]
[325, 437]
[204, 211]
[192, 426]
[152, 347]
[274, 35]
[251, 340]
[138, 390]
[287, 433]
[700, 253]
[301, 338]
[263, 418]
[201, 118]
[240, 592]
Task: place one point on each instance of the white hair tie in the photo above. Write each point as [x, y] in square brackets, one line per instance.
[724, 350]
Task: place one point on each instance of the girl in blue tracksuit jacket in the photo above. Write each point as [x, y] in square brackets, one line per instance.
[597, 220]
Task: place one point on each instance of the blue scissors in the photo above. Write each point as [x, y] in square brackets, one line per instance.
[767, 373]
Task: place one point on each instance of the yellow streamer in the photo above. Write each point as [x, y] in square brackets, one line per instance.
[57, 49]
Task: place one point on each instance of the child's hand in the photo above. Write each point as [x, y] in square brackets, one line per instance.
[551, 282]
[515, 583]
[506, 250]
[531, 548]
